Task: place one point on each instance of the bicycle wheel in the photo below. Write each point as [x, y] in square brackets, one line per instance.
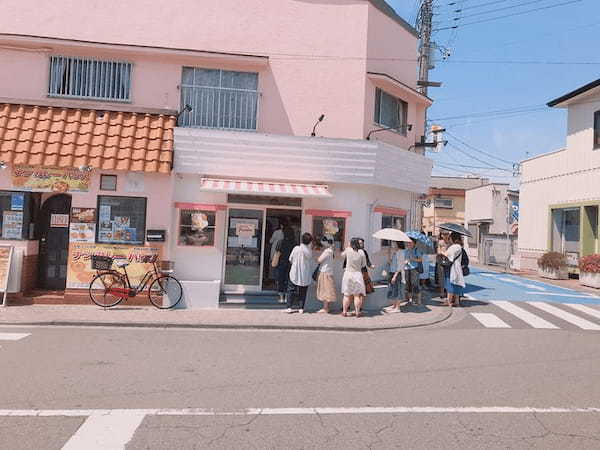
[165, 292]
[108, 289]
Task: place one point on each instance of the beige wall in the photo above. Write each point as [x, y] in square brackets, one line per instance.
[436, 216]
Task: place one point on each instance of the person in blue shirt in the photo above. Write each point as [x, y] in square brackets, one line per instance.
[413, 267]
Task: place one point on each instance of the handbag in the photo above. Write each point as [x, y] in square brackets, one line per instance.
[315, 275]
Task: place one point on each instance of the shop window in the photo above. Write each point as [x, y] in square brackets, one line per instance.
[18, 212]
[121, 220]
[446, 203]
[334, 227]
[397, 222]
[108, 182]
[565, 232]
[196, 228]
[390, 112]
[597, 130]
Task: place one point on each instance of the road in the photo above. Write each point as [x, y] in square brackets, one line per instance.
[460, 384]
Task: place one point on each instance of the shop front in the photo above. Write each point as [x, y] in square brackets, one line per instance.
[226, 224]
[70, 197]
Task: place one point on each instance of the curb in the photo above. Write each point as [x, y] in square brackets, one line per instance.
[445, 317]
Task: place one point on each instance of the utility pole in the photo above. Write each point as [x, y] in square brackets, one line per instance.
[425, 28]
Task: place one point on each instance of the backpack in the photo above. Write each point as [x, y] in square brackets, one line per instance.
[464, 262]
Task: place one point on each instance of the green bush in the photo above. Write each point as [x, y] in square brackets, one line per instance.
[552, 261]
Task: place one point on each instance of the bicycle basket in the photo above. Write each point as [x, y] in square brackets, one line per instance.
[101, 262]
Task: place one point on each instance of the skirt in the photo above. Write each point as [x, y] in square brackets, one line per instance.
[369, 289]
[454, 289]
[353, 283]
[326, 287]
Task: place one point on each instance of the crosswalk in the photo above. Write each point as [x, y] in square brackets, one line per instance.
[503, 314]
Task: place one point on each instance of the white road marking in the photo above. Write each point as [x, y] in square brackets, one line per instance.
[486, 274]
[489, 320]
[524, 315]
[139, 414]
[521, 283]
[585, 309]
[13, 336]
[584, 324]
[106, 431]
[563, 295]
[468, 297]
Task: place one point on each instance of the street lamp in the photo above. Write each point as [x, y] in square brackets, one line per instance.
[319, 120]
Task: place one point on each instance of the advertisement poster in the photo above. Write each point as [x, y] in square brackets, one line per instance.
[50, 179]
[82, 232]
[80, 272]
[5, 257]
[330, 227]
[12, 224]
[245, 229]
[83, 215]
[17, 201]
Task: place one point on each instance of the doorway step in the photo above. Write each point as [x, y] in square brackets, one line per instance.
[251, 301]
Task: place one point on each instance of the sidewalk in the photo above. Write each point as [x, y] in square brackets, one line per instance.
[572, 283]
[141, 316]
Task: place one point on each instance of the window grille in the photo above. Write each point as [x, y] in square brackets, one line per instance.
[219, 99]
[72, 77]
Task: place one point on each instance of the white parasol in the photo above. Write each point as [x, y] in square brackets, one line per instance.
[392, 234]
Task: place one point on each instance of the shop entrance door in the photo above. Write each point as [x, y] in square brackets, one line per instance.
[277, 219]
[53, 229]
[243, 257]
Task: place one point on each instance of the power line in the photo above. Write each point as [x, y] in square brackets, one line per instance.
[489, 155]
[470, 167]
[469, 155]
[507, 15]
[493, 112]
[481, 13]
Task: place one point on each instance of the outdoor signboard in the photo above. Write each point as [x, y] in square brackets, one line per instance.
[6, 252]
[50, 179]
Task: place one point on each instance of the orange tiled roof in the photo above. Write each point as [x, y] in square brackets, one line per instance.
[68, 137]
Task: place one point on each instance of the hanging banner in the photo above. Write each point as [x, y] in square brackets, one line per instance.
[6, 252]
[50, 179]
[80, 272]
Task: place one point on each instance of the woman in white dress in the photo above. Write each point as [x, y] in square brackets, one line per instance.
[325, 283]
[353, 284]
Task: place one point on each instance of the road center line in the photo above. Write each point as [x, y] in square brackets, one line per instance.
[566, 316]
[106, 431]
[122, 421]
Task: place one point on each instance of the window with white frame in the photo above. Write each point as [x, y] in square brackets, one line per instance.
[597, 130]
[446, 203]
[73, 77]
[390, 112]
[388, 221]
[219, 99]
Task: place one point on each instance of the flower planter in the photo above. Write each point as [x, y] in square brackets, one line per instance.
[590, 279]
[554, 274]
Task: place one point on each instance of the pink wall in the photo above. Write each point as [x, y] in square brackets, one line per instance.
[317, 53]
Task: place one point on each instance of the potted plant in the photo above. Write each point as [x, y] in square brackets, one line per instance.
[553, 265]
[589, 271]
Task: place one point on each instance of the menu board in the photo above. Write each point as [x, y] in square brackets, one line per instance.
[83, 225]
[5, 260]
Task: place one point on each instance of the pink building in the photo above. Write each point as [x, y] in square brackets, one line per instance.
[246, 81]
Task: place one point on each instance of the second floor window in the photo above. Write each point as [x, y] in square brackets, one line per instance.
[390, 112]
[597, 130]
[219, 99]
[90, 79]
[446, 203]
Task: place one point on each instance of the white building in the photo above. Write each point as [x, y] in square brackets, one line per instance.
[492, 216]
[560, 191]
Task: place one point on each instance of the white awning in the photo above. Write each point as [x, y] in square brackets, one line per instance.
[264, 188]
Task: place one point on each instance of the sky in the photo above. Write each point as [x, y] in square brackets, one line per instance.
[478, 78]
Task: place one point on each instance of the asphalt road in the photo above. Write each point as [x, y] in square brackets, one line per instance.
[456, 385]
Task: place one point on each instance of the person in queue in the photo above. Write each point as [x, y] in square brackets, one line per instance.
[301, 271]
[442, 245]
[455, 282]
[326, 292]
[414, 260]
[396, 283]
[353, 284]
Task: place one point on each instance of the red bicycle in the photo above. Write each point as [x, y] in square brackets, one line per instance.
[110, 287]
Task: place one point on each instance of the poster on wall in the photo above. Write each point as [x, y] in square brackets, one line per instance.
[12, 224]
[17, 201]
[80, 272]
[50, 179]
[245, 229]
[5, 260]
[59, 220]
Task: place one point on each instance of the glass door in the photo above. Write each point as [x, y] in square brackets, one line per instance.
[243, 257]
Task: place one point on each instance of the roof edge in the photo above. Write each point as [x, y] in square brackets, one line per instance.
[573, 94]
[385, 8]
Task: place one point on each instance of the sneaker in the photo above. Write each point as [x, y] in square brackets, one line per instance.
[301, 311]
[288, 310]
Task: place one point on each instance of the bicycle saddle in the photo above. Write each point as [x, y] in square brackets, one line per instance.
[121, 263]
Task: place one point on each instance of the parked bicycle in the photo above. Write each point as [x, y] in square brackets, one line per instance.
[110, 287]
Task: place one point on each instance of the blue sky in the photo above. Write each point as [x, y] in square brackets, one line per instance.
[569, 33]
